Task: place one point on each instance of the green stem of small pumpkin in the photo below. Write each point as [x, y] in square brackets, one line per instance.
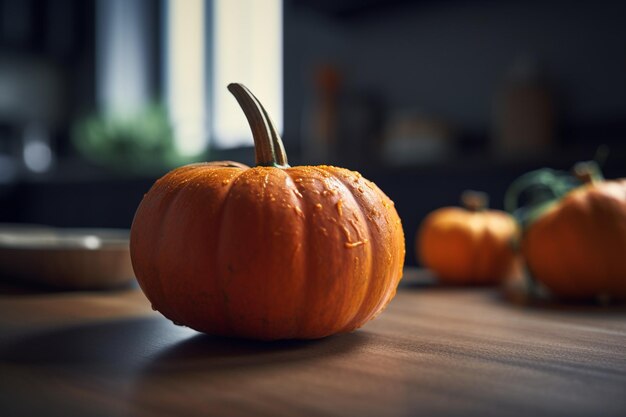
[269, 149]
[548, 179]
[544, 187]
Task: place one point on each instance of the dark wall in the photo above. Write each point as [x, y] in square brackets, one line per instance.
[449, 58]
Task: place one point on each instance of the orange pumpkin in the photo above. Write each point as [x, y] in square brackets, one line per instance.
[467, 246]
[270, 252]
[576, 248]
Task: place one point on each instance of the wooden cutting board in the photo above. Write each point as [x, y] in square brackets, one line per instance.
[434, 352]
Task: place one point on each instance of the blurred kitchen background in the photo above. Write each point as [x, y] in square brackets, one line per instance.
[98, 98]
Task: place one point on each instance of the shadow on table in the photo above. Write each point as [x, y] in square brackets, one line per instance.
[208, 373]
[16, 286]
[118, 342]
[156, 345]
[202, 353]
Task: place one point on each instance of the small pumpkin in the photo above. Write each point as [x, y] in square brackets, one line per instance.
[269, 252]
[575, 246]
[468, 245]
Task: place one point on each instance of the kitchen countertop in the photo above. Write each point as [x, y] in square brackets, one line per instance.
[435, 351]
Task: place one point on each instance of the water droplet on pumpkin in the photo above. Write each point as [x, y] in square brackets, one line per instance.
[298, 211]
[352, 245]
[298, 180]
[224, 182]
[346, 232]
[339, 205]
[318, 206]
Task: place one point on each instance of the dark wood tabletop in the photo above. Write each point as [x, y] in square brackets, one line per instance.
[434, 352]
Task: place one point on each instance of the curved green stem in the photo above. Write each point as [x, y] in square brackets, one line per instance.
[544, 186]
[548, 179]
[268, 145]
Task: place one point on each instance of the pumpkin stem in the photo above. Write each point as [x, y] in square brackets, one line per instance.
[269, 149]
[474, 200]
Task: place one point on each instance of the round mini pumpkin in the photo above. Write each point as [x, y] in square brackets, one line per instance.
[269, 252]
[576, 247]
[467, 246]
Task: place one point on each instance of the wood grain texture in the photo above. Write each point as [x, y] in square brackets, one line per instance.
[434, 351]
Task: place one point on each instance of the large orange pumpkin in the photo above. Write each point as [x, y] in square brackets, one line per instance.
[467, 246]
[577, 247]
[270, 252]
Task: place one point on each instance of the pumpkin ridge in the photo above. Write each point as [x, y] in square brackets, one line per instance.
[172, 196]
[493, 257]
[298, 207]
[583, 215]
[603, 207]
[219, 286]
[323, 176]
[309, 324]
[306, 240]
[596, 209]
[393, 277]
[182, 186]
[481, 262]
[353, 322]
[158, 245]
[265, 317]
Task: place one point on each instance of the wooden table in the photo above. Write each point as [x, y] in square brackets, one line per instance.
[434, 352]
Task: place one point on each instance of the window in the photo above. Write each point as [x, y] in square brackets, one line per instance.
[122, 61]
[209, 44]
